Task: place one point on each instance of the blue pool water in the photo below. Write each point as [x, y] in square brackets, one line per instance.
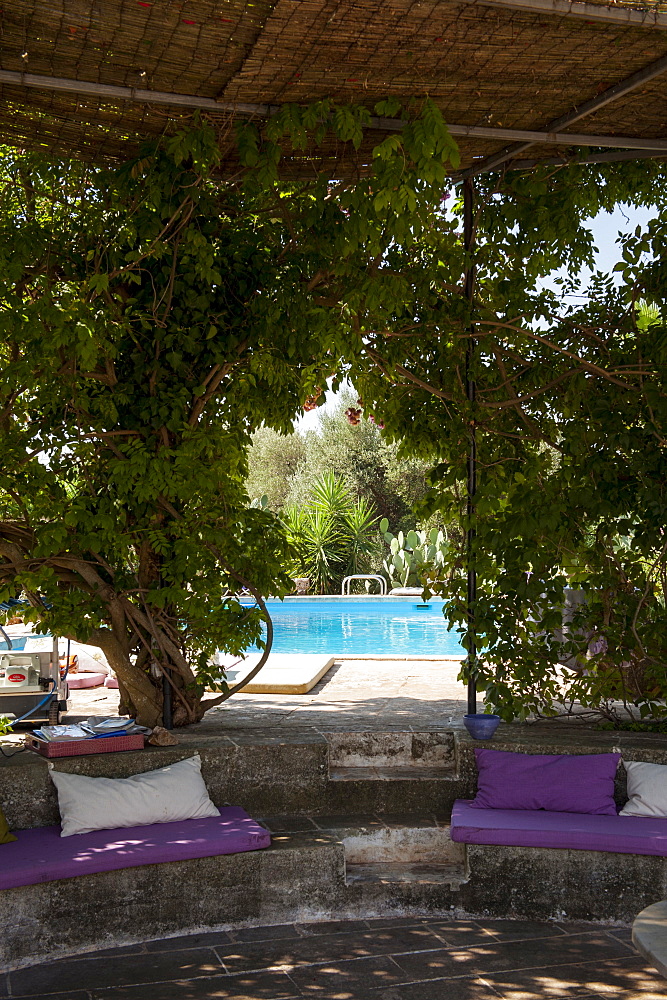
[371, 627]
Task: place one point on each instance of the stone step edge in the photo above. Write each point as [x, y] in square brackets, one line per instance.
[335, 825]
[389, 772]
[406, 873]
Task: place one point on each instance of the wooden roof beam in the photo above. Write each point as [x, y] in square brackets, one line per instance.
[613, 156]
[101, 91]
[638, 79]
[588, 11]
[555, 139]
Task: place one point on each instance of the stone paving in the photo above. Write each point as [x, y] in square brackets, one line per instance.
[355, 694]
[397, 959]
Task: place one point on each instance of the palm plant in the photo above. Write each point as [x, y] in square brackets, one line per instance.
[362, 539]
[333, 534]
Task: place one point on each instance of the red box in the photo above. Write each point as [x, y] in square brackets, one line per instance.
[74, 748]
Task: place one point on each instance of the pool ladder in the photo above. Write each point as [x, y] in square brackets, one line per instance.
[345, 589]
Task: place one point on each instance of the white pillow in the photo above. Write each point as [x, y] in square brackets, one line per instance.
[166, 795]
[647, 789]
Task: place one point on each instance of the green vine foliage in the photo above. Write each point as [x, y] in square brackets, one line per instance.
[571, 426]
[152, 317]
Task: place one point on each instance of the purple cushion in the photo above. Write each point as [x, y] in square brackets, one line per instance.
[42, 855]
[582, 783]
[576, 831]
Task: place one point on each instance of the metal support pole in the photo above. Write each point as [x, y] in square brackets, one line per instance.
[471, 388]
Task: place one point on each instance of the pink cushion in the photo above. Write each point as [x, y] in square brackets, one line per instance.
[542, 828]
[78, 681]
[42, 855]
[111, 682]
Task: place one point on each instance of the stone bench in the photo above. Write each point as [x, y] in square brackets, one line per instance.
[573, 831]
[360, 828]
[42, 855]
[562, 866]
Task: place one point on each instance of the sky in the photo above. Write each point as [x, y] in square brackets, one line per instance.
[606, 227]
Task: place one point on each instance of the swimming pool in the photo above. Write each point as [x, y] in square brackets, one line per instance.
[362, 626]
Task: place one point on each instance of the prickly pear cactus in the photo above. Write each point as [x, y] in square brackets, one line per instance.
[414, 558]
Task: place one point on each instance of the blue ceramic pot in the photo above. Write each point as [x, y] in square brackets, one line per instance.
[481, 726]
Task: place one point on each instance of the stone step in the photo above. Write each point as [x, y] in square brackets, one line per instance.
[371, 772]
[398, 872]
[432, 754]
[396, 793]
[389, 772]
[391, 862]
[384, 849]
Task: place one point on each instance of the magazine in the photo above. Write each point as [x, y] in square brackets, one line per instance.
[96, 727]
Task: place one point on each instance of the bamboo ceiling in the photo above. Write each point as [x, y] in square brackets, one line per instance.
[495, 67]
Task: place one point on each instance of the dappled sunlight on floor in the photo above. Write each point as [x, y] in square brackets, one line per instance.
[377, 959]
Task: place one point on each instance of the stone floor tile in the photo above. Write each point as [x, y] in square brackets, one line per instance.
[621, 979]
[390, 940]
[544, 952]
[396, 921]
[321, 927]
[439, 963]
[378, 959]
[352, 821]
[459, 933]
[623, 934]
[521, 930]
[66, 995]
[99, 972]
[190, 942]
[274, 932]
[323, 948]
[277, 824]
[438, 989]
[580, 926]
[263, 986]
[347, 980]
[126, 949]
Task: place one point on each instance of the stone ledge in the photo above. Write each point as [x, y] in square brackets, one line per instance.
[274, 772]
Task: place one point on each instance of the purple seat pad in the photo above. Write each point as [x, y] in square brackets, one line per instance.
[42, 855]
[541, 828]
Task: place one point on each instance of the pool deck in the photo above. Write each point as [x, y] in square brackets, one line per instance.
[355, 695]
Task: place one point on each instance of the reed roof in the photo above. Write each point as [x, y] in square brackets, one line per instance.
[496, 68]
